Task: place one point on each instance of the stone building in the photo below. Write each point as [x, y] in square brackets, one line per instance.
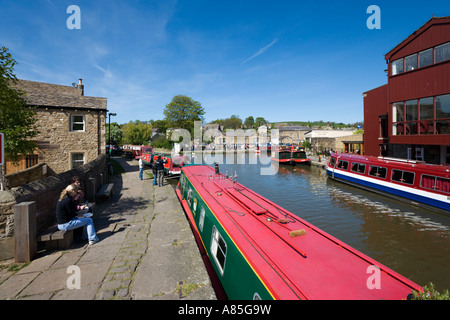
[292, 134]
[71, 125]
[337, 140]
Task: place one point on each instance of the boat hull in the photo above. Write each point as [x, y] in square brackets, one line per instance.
[268, 253]
[412, 194]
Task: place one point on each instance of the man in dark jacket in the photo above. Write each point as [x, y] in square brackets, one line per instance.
[160, 169]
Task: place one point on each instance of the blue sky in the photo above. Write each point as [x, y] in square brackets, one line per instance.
[282, 60]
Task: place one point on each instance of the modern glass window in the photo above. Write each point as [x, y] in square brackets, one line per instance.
[425, 116]
[411, 62]
[76, 159]
[425, 58]
[397, 118]
[442, 52]
[426, 111]
[397, 66]
[443, 106]
[77, 122]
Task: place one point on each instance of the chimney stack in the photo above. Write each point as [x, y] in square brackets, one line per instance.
[80, 86]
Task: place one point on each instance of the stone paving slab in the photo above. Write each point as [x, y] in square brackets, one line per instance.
[146, 251]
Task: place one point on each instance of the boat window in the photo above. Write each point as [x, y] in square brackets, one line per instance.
[342, 164]
[358, 167]
[189, 196]
[194, 205]
[218, 249]
[202, 219]
[378, 172]
[332, 162]
[435, 183]
[403, 176]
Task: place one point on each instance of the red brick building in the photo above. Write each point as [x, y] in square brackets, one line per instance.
[409, 117]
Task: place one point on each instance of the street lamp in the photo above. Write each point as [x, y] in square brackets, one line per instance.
[109, 131]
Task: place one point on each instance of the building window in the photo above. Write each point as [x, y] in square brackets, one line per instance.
[425, 58]
[411, 116]
[218, 249]
[411, 62]
[77, 122]
[77, 160]
[424, 116]
[443, 112]
[442, 53]
[397, 66]
[397, 118]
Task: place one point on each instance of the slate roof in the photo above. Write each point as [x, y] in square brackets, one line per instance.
[53, 95]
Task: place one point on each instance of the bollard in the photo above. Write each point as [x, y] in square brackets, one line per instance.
[25, 234]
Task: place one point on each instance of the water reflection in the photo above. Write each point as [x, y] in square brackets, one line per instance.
[410, 240]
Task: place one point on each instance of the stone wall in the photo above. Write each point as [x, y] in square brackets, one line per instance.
[46, 193]
[34, 173]
[57, 142]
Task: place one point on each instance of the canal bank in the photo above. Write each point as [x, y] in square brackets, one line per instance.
[146, 252]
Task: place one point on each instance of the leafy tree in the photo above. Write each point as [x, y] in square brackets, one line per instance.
[136, 133]
[17, 120]
[116, 133]
[233, 122]
[249, 122]
[182, 112]
[259, 121]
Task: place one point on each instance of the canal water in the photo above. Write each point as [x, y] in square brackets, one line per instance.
[413, 241]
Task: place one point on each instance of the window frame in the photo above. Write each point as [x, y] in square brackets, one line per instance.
[73, 122]
[216, 249]
[72, 161]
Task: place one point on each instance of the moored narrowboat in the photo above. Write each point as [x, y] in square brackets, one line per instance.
[412, 181]
[290, 155]
[259, 250]
[173, 164]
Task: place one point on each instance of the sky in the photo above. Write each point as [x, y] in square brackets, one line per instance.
[283, 60]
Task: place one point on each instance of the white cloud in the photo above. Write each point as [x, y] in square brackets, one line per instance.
[260, 51]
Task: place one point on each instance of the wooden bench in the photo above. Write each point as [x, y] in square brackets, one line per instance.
[105, 191]
[56, 239]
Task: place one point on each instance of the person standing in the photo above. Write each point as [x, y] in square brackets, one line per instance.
[160, 170]
[141, 168]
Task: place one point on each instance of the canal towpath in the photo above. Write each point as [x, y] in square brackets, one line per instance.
[146, 252]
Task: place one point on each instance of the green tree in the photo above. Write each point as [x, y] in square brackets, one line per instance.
[182, 112]
[259, 121]
[17, 120]
[116, 133]
[249, 122]
[136, 133]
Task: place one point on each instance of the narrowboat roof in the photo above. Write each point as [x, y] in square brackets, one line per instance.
[294, 259]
